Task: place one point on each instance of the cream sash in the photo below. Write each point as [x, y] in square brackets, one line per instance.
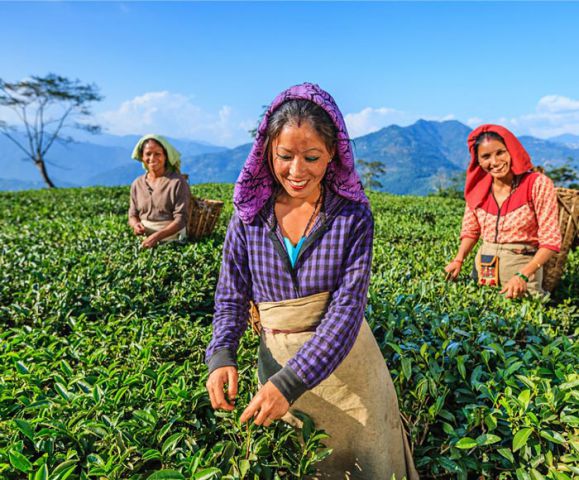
[356, 405]
[511, 262]
[152, 227]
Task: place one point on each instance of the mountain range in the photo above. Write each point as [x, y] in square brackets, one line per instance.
[414, 156]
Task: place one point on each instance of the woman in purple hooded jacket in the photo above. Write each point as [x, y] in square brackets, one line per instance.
[299, 246]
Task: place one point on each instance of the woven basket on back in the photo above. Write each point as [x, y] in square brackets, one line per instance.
[204, 215]
[568, 200]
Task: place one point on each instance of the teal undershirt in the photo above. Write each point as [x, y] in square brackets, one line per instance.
[293, 251]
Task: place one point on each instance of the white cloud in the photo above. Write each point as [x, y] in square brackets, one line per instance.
[175, 115]
[557, 104]
[553, 115]
[474, 121]
[370, 120]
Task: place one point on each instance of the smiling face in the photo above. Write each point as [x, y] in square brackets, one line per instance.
[494, 158]
[300, 160]
[154, 157]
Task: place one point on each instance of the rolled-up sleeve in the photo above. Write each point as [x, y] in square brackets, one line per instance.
[339, 328]
[231, 299]
[182, 203]
[133, 209]
[545, 204]
[470, 225]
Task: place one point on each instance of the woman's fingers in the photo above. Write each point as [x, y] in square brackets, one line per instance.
[251, 410]
[232, 385]
[515, 288]
[216, 384]
[263, 417]
[452, 271]
[268, 405]
[213, 389]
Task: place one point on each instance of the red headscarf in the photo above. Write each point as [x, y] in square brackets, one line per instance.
[478, 182]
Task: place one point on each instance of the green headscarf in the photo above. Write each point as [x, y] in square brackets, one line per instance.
[173, 156]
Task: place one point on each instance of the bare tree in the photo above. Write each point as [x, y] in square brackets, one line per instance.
[46, 108]
[370, 171]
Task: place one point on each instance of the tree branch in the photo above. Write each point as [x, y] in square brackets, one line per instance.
[4, 132]
[58, 128]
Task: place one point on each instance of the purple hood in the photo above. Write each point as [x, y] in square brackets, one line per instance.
[255, 183]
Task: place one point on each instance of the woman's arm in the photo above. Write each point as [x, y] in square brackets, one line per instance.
[469, 236]
[136, 225]
[517, 286]
[334, 337]
[230, 317]
[134, 220]
[155, 238]
[181, 206]
[549, 235]
[455, 265]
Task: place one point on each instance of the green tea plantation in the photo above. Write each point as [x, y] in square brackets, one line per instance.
[102, 346]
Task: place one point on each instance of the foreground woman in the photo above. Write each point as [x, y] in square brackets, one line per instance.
[512, 208]
[160, 199]
[300, 245]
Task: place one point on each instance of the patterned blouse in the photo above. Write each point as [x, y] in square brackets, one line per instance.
[529, 215]
[336, 257]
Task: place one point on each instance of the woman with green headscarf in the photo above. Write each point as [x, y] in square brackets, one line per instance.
[160, 198]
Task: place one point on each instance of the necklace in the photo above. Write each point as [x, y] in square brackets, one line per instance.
[316, 205]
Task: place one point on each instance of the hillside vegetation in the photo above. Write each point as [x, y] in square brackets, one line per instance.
[102, 345]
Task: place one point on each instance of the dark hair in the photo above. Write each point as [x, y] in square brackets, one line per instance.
[168, 166]
[154, 141]
[485, 137]
[295, 112]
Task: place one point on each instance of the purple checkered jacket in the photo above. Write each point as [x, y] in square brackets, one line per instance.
[335, 257]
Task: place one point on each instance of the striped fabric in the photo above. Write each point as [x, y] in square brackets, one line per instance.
[335, 257]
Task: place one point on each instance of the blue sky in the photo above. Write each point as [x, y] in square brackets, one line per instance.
[203, 70]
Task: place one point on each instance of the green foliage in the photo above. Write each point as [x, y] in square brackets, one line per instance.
[102, 345]
[449, 187]
[253, 131]
[370, 171]
[565, 175]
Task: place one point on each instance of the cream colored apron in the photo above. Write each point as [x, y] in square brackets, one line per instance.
[356, 405]
[510, 263]
[152, 227]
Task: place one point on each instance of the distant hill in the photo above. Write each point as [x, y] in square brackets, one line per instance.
[14, 184]
[217, 167]
[105, 160]
[567, 139]
[415, 157]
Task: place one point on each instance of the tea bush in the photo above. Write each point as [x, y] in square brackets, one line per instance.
[102, 344]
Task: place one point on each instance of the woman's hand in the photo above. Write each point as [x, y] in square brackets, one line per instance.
[515, 287]
[216, 386]
[138, 228]
[268, 405]
[453, 269]
[151, 240]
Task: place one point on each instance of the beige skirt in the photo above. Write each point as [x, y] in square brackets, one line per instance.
[356, 405]
[511, 262]
[152, 227]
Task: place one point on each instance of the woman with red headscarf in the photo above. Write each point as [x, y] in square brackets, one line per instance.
[512, 208]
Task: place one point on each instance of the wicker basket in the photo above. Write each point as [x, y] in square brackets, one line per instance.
[568, 200]
[204, 215]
